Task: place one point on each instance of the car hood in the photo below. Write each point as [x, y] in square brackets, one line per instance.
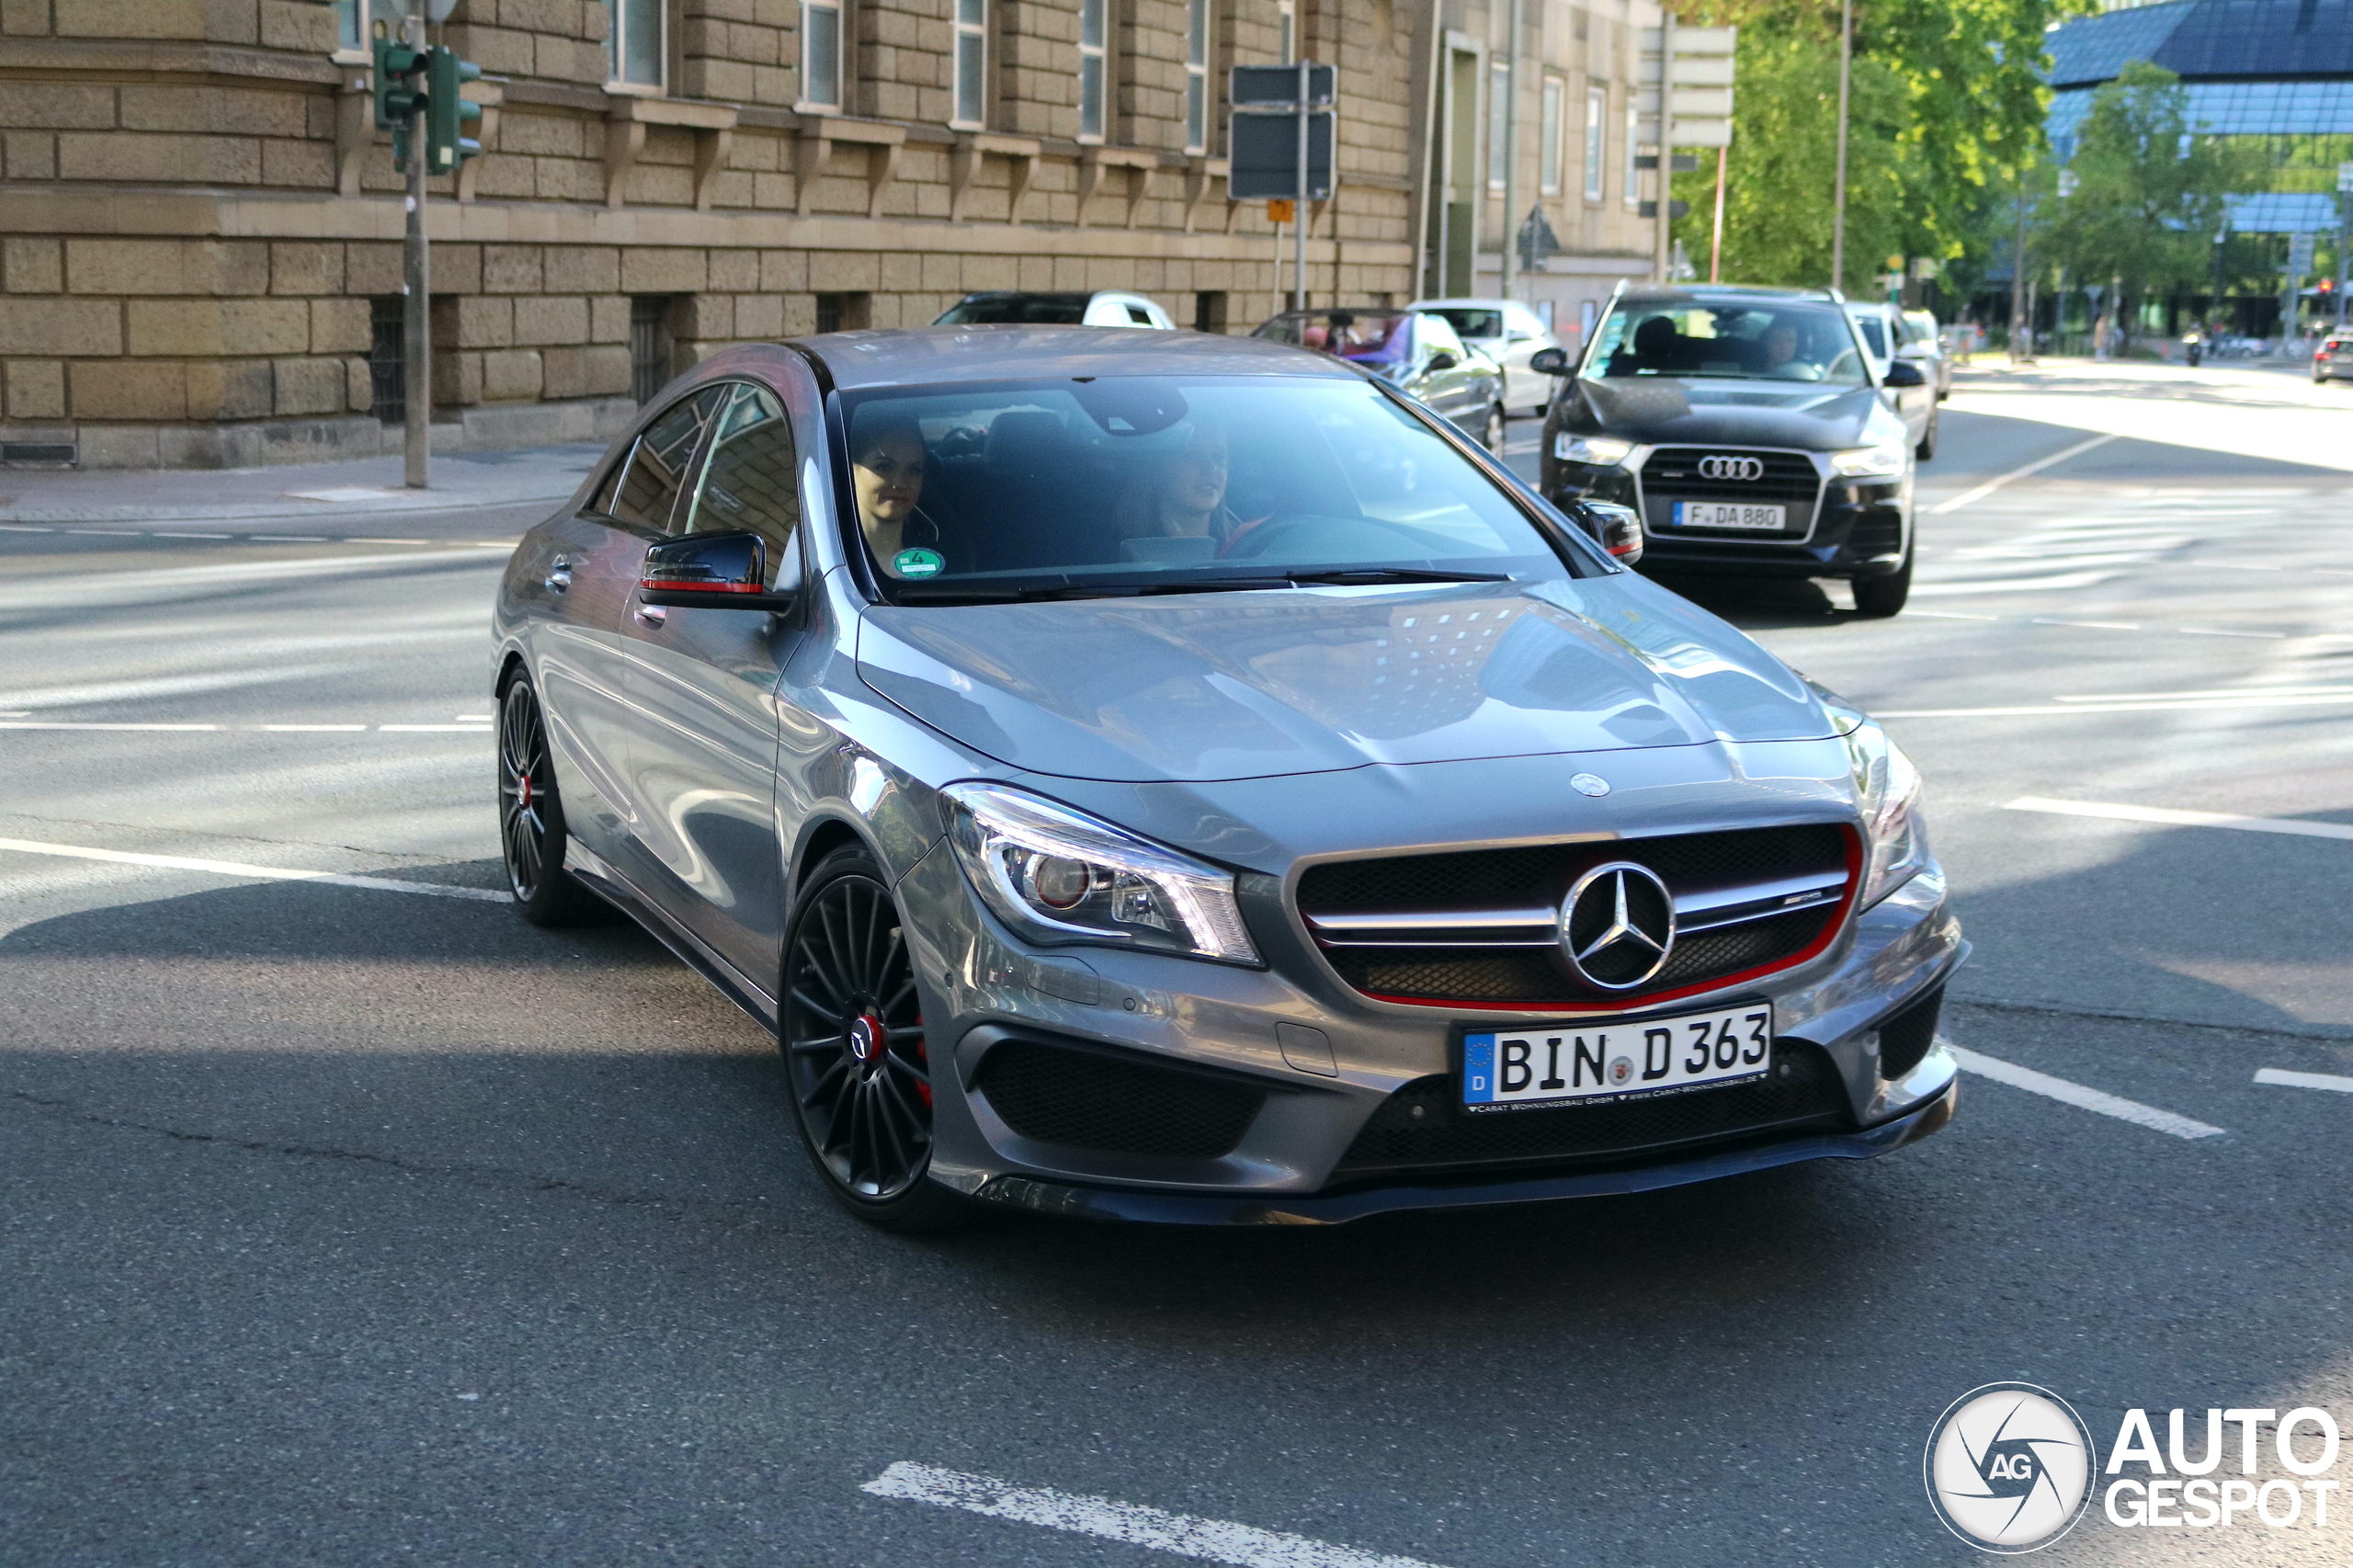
[1203, 688]
[1804, 416]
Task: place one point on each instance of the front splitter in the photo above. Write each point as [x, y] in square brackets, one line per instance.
[1332, 1209]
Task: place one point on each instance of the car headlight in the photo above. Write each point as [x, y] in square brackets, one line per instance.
[1882, 461]
[1058, 877]
[1598, 450]
[1887, 791]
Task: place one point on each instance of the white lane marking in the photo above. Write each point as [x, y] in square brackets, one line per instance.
[343, 492]
[2021, 710]
[256, 729]
[310, 728]
[2081, 1097]
[160, 534]
[2292, 827]
[434, 729]
[2091, 625]
[2013, 585]
[239, 870]
[61, 724]
[1991, 485]
[1950, 615]
[42, 697]
[1212, 1540]
[360, 538]
[26, 528]
[290, 538]
[2208, 631]
[2286, 1079]
[113, 584]
[2213, 691]
[109, 533]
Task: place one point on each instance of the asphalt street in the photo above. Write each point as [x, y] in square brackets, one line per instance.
[345, 1219]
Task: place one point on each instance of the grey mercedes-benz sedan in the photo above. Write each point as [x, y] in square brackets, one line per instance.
[1166, 777]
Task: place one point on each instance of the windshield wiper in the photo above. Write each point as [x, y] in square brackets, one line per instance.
[1345, 577]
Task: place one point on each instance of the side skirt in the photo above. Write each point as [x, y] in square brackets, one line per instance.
[616, 890]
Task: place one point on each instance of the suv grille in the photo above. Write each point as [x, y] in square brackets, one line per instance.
[1478, 926]
[1423, 1127]
[1672, 474]
[1086, 1100]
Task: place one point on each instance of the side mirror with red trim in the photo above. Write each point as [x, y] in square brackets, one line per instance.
[711, 572]
[1618, 530]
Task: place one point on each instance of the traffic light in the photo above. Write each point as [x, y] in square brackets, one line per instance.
[397, 96]
[447, 113]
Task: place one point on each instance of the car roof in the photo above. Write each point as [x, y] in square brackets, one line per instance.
[938, 356]
[1702, 293]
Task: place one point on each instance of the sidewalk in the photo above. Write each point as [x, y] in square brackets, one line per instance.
[318, 493]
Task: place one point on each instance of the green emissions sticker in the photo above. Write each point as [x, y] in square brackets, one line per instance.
[918, 564]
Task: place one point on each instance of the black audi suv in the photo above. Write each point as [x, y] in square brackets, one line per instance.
[1750, 430]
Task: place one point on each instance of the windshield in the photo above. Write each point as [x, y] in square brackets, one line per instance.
[1469, 320]
[1782, 341]
[1020, 309]
[1137, 484]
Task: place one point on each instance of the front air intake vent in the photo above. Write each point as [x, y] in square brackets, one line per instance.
[1904, 1040]
[1087, 1100]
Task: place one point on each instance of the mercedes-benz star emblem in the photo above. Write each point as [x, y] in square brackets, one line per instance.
[1592, 784]
[1731, 468]
[1618, 926]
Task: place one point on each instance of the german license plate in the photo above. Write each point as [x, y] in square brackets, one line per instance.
[1730, 515]
[1615, 1060]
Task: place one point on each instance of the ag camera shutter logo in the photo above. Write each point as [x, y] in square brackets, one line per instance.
[2009, 1468]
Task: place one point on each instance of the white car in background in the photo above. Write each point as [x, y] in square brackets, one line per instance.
[1003, 307]
[1508, 333]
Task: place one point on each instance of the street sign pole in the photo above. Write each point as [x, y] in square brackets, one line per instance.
[1298, 260]
[417, 281]
[1664, 181]
[1838, 179]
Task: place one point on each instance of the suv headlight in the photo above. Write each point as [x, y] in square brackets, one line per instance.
[1882, 461]
[1598, 450]
[1887, 790]
[1058, 877]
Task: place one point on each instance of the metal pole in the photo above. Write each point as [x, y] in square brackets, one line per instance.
[2018, 280]
[1279, 266]
[1426, 262]
[1716, 247]
[1299, 219]
[417, 286]
[1664, 182]
[1511, 149]
[1839, 183]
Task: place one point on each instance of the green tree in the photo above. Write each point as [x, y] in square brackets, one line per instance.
[2148, 189]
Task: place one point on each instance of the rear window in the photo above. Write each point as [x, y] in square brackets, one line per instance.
[1018, 310]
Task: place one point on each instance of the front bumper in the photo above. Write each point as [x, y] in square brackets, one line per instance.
[1859, 532]
[1332, 1209]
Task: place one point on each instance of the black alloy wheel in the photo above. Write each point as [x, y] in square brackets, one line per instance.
[532, 836]
[855, 1055]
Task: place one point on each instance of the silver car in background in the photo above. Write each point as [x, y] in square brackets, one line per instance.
[1163, 776]
[1508, 333]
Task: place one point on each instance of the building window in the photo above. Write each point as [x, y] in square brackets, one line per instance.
[1556, 94]
[1498, 131]
[1596, 112]
[636, 47]
[971, 110]
[1093, 29]
[821, 54]
[350, 25]
[1196, 75]
[388, 359]
[845, 313]
[1287, 19]
[648, 345]
[1633, 135]
[1209, 310]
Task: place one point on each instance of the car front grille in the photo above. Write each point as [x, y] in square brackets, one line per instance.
[1424, 1128]
[1084, 1099]
[1788, 479]
[1479, 927]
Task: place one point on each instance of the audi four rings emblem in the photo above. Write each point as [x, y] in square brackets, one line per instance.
[1731, 468]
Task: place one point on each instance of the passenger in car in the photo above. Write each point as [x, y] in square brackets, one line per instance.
[1658, 347]
[1781, 356]
[888, 464]
[1182, 496]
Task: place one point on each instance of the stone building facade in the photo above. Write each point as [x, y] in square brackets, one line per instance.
[200, 226]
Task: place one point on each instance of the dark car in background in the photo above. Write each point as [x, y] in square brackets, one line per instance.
[1417, 353]
[1751, 430]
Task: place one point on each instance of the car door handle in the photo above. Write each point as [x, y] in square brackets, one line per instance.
[559, 575]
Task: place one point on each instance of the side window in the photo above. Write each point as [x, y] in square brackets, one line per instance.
[648, 491]
[750, 483]
[1438, 336]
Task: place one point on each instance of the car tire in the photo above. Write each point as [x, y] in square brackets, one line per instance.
[1490, 431]
[856, 1061]
[1877, 598]
[531, 834]
[1927, 446]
